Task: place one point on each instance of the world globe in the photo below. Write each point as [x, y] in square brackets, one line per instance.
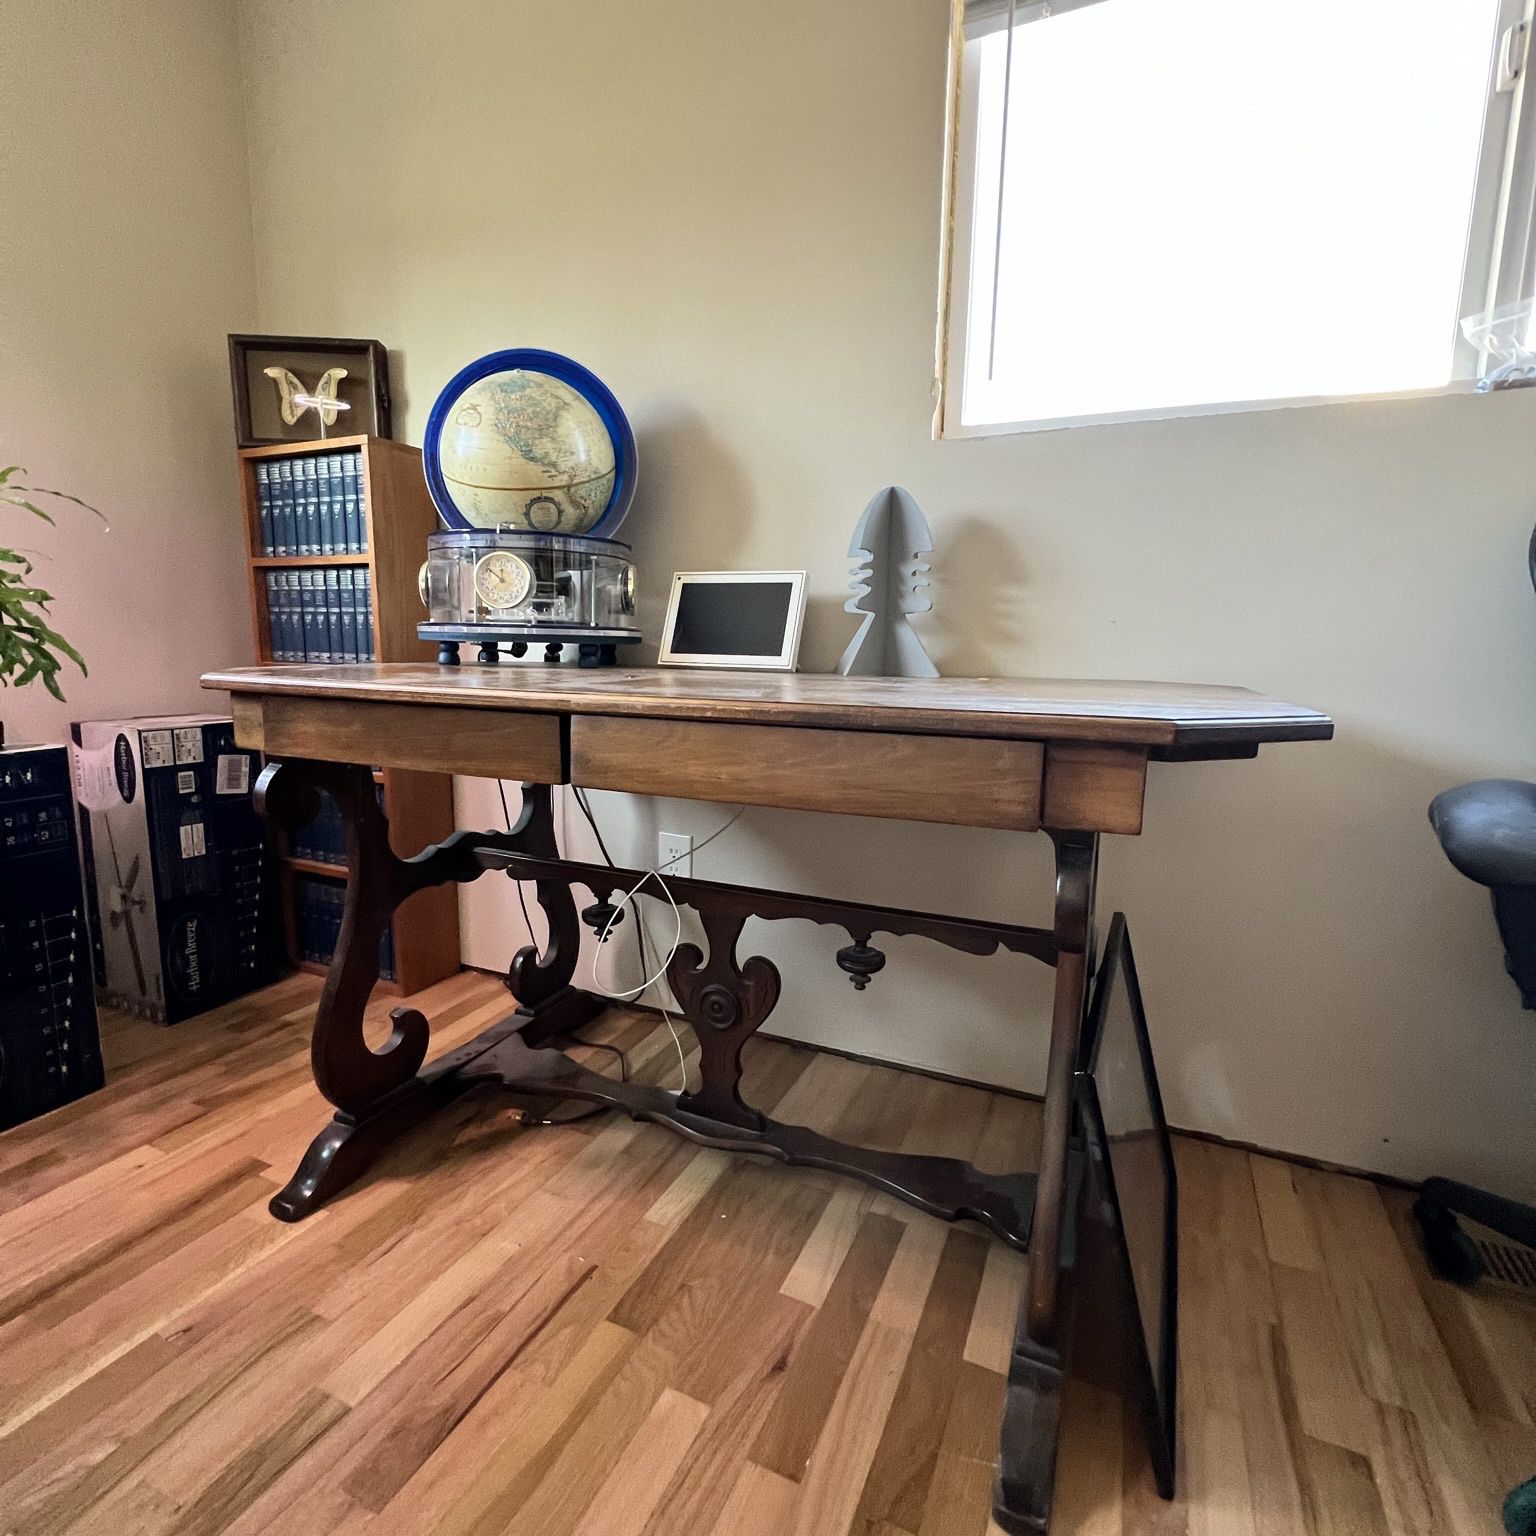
[537, 447]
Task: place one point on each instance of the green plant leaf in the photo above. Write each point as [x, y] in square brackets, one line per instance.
[43, 490]
[31, 649]
[26, 506]
[59, 643]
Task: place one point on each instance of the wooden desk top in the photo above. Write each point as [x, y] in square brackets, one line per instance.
[1173, 718]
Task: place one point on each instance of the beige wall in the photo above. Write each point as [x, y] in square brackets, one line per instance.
[730, 212]
[125, 257]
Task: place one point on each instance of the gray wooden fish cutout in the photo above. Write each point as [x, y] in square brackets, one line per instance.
[889, 542]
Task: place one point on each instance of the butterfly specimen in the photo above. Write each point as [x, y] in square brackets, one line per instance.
[294, 401]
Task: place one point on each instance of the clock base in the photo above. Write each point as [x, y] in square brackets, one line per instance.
[593, 647]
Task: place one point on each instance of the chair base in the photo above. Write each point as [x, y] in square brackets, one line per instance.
[1514, 910]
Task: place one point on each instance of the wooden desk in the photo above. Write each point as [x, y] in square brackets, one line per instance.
[1065, 758]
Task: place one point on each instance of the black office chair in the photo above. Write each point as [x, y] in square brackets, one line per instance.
[1488, 831]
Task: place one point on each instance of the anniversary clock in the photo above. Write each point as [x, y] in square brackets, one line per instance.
[531, 464]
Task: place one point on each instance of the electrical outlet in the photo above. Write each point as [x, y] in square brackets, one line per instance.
[674, 854]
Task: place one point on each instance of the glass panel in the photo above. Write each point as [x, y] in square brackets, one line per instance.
[1213, 200]
[1134, 1138]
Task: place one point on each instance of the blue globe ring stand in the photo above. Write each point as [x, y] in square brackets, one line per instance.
[568, 371]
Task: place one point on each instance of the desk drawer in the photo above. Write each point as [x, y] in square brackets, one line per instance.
[490, 743]
[960, 779]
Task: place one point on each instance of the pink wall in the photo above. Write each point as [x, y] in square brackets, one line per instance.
[126, 260]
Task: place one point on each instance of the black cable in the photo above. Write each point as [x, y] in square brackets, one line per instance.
[529, 1118]
[586, 810]
[601, 1045]
[506, 816]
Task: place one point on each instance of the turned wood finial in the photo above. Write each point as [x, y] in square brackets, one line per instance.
[602, 917]
[861, 960]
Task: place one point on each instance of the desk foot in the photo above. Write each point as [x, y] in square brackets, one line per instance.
[349, 1145]
[1021, 1497]
[352, 1142]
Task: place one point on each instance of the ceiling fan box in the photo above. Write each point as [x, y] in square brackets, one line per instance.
[180, 871]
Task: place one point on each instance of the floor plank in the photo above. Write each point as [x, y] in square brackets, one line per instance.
[602, 1330]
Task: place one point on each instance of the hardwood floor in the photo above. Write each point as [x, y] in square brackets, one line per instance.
[602, 1330]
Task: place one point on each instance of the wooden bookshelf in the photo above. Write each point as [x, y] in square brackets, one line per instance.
[398, 515]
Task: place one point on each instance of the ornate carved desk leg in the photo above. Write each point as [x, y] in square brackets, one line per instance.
[360, 1081]
[1031, 1417]
[381, 1093]
[724, 1002]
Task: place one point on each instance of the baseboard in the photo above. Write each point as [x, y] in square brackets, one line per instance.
[1301, 1160]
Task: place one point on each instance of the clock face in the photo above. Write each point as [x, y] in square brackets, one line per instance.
[502, 579]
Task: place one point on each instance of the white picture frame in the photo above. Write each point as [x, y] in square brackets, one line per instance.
[788, 653]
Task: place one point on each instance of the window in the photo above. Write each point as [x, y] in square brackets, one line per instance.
[1170, 206]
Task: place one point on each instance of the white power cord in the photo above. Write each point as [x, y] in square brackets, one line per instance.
[627, 900]
[677, 938]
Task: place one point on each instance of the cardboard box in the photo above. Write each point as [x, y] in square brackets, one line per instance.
[180, 872]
